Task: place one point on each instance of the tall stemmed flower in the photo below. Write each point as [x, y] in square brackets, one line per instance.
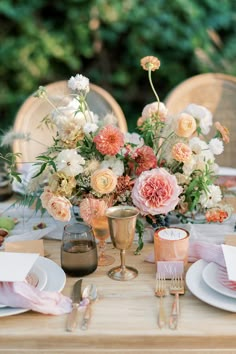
[154, 115]
[150, 64]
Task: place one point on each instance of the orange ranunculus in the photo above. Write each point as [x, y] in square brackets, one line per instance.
[186, 125]
[103, 181]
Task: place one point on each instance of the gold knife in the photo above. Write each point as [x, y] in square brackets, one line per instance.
[76, 296]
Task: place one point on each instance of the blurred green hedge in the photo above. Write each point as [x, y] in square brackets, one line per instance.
[44, 41]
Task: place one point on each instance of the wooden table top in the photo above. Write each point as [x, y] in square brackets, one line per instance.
[124, 319]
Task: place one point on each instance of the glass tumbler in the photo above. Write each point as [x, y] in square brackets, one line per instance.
[78, 250]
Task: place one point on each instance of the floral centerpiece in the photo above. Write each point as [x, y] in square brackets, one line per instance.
[168, 166]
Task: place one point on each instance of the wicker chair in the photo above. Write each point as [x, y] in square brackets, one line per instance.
[217, 92]
[33, 110]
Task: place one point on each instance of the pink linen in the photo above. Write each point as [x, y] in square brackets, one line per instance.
[200, 250]
[21, 294]
[207, 251]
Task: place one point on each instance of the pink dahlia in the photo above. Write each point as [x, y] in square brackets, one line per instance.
[109, 140]
[145, 159]
[156, 192]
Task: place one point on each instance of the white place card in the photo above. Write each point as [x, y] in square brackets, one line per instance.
[230, 261]
[16, 266]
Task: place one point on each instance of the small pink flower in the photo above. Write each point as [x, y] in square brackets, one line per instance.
[109, 140]
[155, 109]
[181, 152]
[156, 192]
[90, 207]
[59, 208]
[145, 159]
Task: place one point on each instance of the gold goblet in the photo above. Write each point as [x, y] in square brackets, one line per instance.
[101, 232]
[122, 221]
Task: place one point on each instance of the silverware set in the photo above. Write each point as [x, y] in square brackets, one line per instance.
[81, 299]
[176, 288]
[85, 299]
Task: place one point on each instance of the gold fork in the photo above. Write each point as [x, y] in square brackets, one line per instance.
[176, 288]
[160, 291]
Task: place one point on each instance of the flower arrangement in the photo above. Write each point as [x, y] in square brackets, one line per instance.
[167, 166]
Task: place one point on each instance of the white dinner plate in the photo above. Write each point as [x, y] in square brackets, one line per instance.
[202, 291]
[210, 275]
[37, 277]
[55, 281]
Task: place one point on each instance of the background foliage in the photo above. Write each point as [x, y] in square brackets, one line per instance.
[44, 41]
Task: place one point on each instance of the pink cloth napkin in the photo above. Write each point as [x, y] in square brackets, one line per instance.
[208, 251]
[21, 294]
[200, 250]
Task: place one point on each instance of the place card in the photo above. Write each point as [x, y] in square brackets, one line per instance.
[170, 269]
[31, 246]
[230, 261]
[16, 266]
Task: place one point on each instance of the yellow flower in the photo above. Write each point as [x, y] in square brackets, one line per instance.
[103, 181]
[186, 125]
[150, 62]
[61, 184]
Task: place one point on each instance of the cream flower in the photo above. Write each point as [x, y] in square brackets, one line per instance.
[103, 181]
[116, 165]
[109, 119]
[69, 162]
[151, 110]
[79, 82]
[90, 128]
[91, 166]
[216, 146]
[134, 138]
[210, 198]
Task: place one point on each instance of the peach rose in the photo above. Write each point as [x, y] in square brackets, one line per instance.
[156, 192]
[46, 196]
[186, 125]
[103, 181]
[59, 208]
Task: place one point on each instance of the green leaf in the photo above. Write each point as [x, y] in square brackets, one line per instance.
[140, 230]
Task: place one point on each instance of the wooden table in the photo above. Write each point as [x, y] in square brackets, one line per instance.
[124, 319]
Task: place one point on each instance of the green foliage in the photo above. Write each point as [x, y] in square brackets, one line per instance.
[44, 41]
